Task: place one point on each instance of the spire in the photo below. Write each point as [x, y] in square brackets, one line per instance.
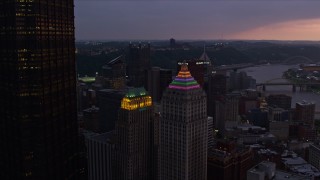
[204, 56]
[184, 66]
[184, 80]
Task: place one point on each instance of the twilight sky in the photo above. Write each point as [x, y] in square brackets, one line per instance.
[191, 19]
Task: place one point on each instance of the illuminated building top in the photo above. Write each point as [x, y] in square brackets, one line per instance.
[184, 80]
[136, 98]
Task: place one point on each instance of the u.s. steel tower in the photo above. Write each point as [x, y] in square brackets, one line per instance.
[38, 118]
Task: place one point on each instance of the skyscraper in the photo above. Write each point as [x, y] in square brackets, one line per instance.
[38, 112]
[183, 129]
[109, 102]
[305, 112]
[138, 61]
[114, 73]
[158, 81]
[217, 88]
[133, 137]
[100, 153]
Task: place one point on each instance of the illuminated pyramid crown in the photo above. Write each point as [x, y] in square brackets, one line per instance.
[184, 80]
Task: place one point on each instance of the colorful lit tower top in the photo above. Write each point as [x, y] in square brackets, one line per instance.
[184, 80]
[183, 129]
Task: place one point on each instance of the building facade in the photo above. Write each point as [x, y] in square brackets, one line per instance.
[305, 113]
[224, 165]
[183, 130]
[138, 61]
[100, 153]
[314, 155]
[217, 87]
[91, 119]
[114, 74]
[38, 111]
[279, 100]
[109, 102]
[133, 139]
[157, 81]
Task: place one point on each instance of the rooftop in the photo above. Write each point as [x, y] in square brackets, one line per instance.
[300, 166]
[135, 92]
[282, 175]
[268, 169]
[305, 103]
[136, 98]
[87, 79]
[105, 137]
[184, 80]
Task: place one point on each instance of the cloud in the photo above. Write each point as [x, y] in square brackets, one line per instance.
[305, 29]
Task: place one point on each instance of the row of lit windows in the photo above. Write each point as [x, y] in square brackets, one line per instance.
[136, 103]
[22, 1]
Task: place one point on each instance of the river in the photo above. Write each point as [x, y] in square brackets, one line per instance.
[274, 72]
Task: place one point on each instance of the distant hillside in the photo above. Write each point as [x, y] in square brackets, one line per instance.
[279, 53]
[230, 53]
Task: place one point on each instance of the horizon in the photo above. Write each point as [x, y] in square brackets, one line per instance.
[186, 40]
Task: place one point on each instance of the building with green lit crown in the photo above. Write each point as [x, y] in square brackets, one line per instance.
[183, 130]
[133, 137]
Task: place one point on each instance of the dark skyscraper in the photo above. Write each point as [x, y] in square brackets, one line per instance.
[133, 137]
[109, 101]
[114, 73]
[217, 87]
[138, 64]
[38, 112]
[158, 80]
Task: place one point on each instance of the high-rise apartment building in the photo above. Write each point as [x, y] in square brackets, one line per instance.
[133, 139]
[38, 112]
[183, 130]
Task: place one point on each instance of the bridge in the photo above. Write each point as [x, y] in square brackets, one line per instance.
[303, 86]
[234, 67]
